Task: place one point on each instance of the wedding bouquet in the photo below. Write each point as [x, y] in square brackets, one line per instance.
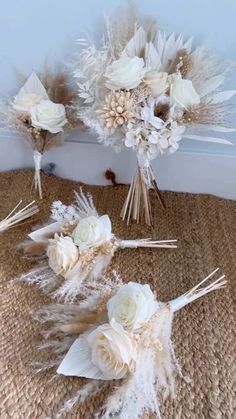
[41, 112]
[78, 248]
[147, 91]
[124, 335]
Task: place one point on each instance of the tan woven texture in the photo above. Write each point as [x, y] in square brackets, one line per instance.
[204, 332]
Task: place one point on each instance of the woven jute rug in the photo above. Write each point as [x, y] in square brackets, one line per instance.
[204, 333]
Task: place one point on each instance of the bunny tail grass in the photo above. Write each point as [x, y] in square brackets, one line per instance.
[198, 291]
[16, 217]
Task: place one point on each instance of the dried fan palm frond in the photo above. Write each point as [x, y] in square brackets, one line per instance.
[207, 72]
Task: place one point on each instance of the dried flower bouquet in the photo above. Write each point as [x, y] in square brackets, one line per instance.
[147, 91]
[78, 248]
[41, 112]
[121, 334]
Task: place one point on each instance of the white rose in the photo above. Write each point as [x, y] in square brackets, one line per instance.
[92, 231]
[157, 82]
[133, 305]
[182, 92]
[24, 103]
[49, 116]
[113, 350]
[62, 254]
[125, 73]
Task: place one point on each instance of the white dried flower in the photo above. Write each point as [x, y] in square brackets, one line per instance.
[113, 351]
[182, 92]
[24, 103]
[125, 73]
[92, 231]
[132, 306]
[157, 81]
[48, 116]
[62, 254]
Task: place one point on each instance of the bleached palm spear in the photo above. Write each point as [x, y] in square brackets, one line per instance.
[17, 216]
[79, 246]
[122, 334]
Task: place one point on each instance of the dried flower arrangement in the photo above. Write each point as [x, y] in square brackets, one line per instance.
[78, 248]
[147, 91]
[122, 334]
[17, 216]
[41, 112]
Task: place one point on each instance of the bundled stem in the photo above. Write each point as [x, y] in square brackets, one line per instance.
[137, 205]
[16, 217]
[134, 244]
[198, 291]
[37, 176]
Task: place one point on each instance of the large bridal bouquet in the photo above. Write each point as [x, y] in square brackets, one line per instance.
[124, 335]
[77, 249]
[41, 112]
[147, 91]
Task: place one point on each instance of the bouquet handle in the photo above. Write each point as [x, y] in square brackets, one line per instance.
[37, 177]
[137, 205]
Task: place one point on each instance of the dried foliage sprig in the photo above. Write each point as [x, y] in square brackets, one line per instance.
[147, 91]
[17, 216]
[78, 248]
[42, 112]
[122, 339]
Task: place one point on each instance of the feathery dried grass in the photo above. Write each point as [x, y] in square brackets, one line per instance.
[206, 113]
[182, 62]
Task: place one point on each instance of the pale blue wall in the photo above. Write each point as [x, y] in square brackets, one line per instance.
[32, 30]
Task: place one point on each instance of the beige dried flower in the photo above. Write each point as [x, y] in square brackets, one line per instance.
[141, 93]
[119, 108]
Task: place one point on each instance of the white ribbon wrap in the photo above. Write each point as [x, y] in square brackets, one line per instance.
[37, 179]
[144, 165]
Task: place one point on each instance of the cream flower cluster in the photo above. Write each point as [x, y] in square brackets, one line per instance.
[127, 73]
[33, 101]
[160, 97]
[128, 310]
[63, 251]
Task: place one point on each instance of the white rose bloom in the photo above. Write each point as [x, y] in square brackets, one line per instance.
[49, 116]
[113, 350]
[157, 81]
[125, 73]
[92, 231]
[62, 254]
[182, 92]
[132, 306]
[24, 103]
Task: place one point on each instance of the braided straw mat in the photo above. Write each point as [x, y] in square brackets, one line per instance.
[203, 333]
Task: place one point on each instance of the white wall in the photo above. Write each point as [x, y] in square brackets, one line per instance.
[33, 30]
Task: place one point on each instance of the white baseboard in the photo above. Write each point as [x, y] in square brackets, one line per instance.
[183, 171]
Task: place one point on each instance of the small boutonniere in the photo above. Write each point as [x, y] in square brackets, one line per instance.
[78, 248]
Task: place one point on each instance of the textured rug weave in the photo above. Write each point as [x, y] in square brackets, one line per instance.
[203, 333]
